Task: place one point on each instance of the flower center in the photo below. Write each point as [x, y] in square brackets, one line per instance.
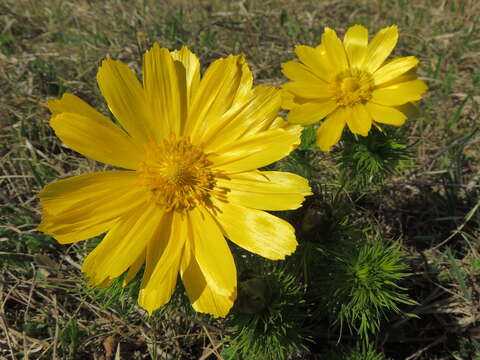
[177, 173]
[352, 86]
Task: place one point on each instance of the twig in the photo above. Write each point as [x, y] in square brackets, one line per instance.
[55, 339]
[69, 259]
[16, 254]
[30, 293]
[439, 153]
[214, 347]
[459, 228]
[25, 350]
[422, 350]
[7, 336]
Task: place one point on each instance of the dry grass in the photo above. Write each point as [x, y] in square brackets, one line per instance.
[48, 47]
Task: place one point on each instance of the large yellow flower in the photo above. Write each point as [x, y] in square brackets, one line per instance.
[348, 83]
[190, 147]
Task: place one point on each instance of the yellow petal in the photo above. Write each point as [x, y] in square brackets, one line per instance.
[202, 296]
[256, 231]
[334, 50]
[399, 94]
[72, 192]
[299, 72]
[134, 268]
[164, 253]
[122, 245]
[358, 120]
[256, 115]
[281, 123]
[291, 101]
[253, 152]
[73, 104]
[315, 61]
[410, 75]
[212, 253]
[85, 206]
[165, 96]
[70, 233]
[288, 100]
[310, 113]
[330, 131]
[386, 114]
[266, 190]
[394, 69]
[126, 99]
[192, 69]
[155, 296]
[156, 248]
[380, 48]
[105, 284]
[309, 90]
[264, 110]
[96, 140]
[225, 87]
[356, 42]
[410, 109]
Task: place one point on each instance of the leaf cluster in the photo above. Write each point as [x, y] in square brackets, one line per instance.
[272, 327]
[370, 160]
[364, 284]
[359, 352]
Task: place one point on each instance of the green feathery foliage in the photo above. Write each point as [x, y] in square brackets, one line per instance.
[117, 295]
[309, 138]
[372, 159]
[360, 352]
[363, 284]
[268, 317]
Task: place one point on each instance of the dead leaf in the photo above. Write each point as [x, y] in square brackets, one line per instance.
[109, 345]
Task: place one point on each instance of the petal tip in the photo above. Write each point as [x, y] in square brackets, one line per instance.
[358, 26]
[393, 28]
[322, 146]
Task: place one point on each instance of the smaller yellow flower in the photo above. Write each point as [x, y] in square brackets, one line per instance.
[348, 83]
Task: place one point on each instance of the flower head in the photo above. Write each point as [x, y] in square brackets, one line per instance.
[190, 147]
[349, 83]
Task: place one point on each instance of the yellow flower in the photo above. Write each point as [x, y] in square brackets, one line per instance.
[190, 147]
[349, 83]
